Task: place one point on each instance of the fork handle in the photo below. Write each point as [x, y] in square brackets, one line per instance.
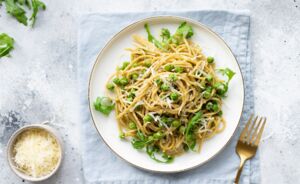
[238, 174]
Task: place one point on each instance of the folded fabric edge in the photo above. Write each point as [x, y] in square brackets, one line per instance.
[163, 13]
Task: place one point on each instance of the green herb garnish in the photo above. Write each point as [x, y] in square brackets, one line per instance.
[190, 137]
[151, 38]
[6, 44]
[222, 87]
[36, 6]
[104, 105]
[16, 9]
[183, 31]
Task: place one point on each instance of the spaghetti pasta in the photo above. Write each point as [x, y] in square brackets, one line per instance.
[168, 97]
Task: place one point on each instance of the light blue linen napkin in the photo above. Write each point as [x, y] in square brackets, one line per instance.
[100, 164]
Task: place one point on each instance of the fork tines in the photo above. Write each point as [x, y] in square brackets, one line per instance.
[253, 130]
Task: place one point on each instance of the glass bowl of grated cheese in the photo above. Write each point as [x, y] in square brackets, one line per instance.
[35, 152]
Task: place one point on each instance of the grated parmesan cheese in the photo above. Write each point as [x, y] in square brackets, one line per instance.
[36, 153]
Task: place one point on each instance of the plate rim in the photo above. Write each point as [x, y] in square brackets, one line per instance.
[207, 28]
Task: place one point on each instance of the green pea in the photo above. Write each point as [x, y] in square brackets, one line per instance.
[134, 76]
[220, 113]
[169, 68]
[209, 89]
[174, 96]
[210, 59]
[206, 94]
[178, 69]
[132, 125]
[124, 65]
[124, 81]
[182, 129]
[150, 138]
[116, 81]
[131, 94]
[221, 88]
[209, 78]
[148, 118]
[168, 120]
[172, 77]
[158, 82]
[122, 135]
[147, 64]
[164, 87]
[110, 86]
[215, 107]
[130, 99]
[176, 123]
[209, 106]
[138, 107]
[164, 119]
[135, 65]
[158, 135]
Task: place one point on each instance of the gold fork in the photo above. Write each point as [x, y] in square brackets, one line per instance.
[248, 141]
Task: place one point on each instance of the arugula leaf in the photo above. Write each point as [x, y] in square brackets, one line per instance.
[138, 144]
[229, 73]
[151, 38]
[140, 135]
[104, 105]
[151, 150]
[141, 141]
[183, 31]
[165, 35]
[190, 137]
[36, 5]
[222, 87]
[16, 11]
[6, 44]
[24, 2]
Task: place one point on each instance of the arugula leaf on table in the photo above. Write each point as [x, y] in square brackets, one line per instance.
[24, 2]
[190, 136]
[16, 11]
[104, 105]
[36, 6]
[6, 44]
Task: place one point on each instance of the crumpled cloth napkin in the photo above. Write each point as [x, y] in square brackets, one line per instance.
[100, 164]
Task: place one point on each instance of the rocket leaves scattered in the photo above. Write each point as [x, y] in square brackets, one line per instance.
[36, 6]
[16, 8]
[6, 44]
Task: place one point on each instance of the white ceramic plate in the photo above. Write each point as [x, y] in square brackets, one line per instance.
[114, 54]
